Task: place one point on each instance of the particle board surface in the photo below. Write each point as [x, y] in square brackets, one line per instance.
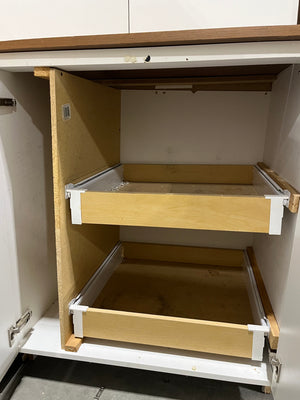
[86, 142]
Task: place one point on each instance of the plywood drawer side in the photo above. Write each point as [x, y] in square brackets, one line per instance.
[186, 334]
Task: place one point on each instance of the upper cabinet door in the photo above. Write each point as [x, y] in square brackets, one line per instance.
[165, 15]
[33, 19]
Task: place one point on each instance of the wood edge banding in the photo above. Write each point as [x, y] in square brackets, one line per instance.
[161, 38]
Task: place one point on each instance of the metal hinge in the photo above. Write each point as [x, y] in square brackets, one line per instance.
[19, 325]
[276, 367]
[5, 102]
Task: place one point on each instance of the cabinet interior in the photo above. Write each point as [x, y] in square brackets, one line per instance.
[229, 115]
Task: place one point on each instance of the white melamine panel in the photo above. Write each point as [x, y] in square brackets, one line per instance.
[282, 150]
[193, 128]
[188, 237]
[46, 342]
[28, 278]
[34, 19]
[10, 308]
[227, 54]
[279, 256]
[163, 15]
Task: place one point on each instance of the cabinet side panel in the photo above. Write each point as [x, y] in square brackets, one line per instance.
[278, 257]
[85, 140]
[281, 153]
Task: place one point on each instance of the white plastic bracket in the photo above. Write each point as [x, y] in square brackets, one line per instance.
[75, 204]
[258, 343]
[286, 200]
[77, 311]
[276, 213]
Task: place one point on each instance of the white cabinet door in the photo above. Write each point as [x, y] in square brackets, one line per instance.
[27, 262]
[289, 342]
[35, 19]
[10, 308]
[164, 15]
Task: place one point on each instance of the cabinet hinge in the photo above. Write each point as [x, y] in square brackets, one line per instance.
[276, 367]
[18, 326]
[4, 102]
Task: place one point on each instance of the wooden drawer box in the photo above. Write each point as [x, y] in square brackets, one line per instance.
[213, 197]
[191, 298]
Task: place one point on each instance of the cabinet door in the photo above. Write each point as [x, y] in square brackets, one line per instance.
[33, 19]
[164, 15]
[26, 229]
[288, 386]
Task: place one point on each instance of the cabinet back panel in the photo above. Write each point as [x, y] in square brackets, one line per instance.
[184, 127]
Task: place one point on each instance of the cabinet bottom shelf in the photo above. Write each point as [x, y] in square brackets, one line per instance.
[44, 340]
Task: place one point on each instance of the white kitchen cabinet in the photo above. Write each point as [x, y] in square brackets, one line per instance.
[160, 126]
[164, 15]
[31, 19]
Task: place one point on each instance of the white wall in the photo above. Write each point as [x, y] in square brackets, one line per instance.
[182, 127]
[35, 19]
[162, 15]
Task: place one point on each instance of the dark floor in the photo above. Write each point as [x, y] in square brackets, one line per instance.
[56, 379]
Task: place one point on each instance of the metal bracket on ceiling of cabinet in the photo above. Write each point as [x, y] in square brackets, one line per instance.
[6, 102]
